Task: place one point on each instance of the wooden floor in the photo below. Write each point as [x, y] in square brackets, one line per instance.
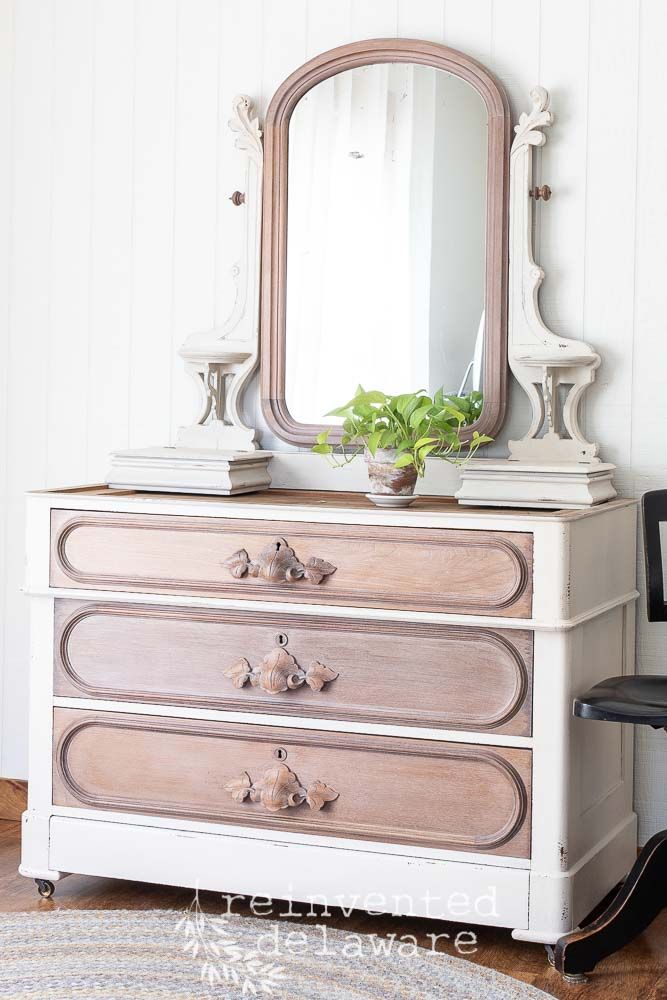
[637, 973]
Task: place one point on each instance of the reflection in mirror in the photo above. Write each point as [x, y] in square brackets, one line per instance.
[385, 282]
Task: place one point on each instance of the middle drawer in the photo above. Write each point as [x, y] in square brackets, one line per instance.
[387, 672]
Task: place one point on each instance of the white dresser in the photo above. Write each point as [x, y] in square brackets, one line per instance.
[296, 695]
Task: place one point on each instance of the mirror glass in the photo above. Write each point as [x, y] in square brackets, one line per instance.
[386, 232]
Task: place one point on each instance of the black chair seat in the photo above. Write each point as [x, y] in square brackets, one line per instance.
[641, 700]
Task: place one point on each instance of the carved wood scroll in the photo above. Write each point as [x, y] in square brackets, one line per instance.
[277, 563]
[280, 789]
[280, 672]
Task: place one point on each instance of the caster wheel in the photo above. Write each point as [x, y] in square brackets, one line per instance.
[45, 888]
[549, 948]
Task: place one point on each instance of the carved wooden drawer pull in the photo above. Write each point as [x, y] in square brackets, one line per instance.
[280, 672]
[280, 789]
[278, 563]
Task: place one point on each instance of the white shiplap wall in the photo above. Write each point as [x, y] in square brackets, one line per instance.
[114, 178]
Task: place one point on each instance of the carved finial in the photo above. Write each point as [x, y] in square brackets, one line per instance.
[246, 124]
[527, 132]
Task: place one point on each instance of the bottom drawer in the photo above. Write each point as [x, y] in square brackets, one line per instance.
[449, 795]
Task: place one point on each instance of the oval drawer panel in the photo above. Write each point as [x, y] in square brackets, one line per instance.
[405, 673]
[439, 569]
[415, 792]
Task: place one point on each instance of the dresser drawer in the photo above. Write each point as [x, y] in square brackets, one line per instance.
[456, 796]
[405, 673]
[447, 570]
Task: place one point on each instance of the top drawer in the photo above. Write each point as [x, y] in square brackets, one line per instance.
[372, 566]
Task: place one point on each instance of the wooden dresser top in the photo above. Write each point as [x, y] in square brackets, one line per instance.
[322, 500]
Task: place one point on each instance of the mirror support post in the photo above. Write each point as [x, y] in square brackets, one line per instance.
[553, 464]
[218, 452]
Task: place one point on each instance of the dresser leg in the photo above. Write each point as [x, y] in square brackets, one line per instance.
[637, 903]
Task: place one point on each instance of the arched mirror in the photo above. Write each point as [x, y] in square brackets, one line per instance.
[384, 252]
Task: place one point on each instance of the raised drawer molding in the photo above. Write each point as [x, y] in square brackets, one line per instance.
[469, 572]
[410, 673]
[457, 796]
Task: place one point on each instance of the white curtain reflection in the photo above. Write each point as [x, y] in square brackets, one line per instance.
[360, 298]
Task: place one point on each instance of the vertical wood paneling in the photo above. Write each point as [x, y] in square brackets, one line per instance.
[111, 232]
[649, 405]
[240, 72]
[68, 385]
[153, 222]
[195, 189]
[329, 25]
[6, 210]
[515, 48]
[374, 19]
[648, 393]
[425, 20]
[610, 220]
[26, 427]
[564, 26]
[284, 33]
[469, 27]
[135, 249]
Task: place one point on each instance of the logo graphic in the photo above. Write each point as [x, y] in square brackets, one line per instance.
[222, 960]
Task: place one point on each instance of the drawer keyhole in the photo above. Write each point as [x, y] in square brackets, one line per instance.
[280, 753]
[281, 639]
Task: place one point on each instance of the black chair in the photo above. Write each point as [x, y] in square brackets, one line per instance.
[642, 701]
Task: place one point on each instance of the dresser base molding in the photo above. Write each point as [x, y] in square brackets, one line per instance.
[495, 895]
[35, 847]
[506, 483]
[396, 884]
[576, 892]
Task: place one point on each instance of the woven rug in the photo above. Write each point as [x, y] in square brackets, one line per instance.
[68, 954]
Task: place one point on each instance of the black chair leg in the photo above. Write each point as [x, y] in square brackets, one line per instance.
[637, 903]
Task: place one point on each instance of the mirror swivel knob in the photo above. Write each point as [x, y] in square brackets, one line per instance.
[543, 192]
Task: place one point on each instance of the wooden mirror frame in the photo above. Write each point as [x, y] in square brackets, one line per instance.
[274, 223]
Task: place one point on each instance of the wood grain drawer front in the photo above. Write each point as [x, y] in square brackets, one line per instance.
[471, 572]
[456, 796]
[405, 673]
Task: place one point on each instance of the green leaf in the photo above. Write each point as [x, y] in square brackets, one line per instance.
[426, 450]
[422, 441]
[403, 460]
[420, 414]
[322, 449]
[406, 402]
[373, 442]
[374, 396]
[340, 411]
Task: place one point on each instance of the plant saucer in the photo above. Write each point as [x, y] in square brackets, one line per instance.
[391, 501]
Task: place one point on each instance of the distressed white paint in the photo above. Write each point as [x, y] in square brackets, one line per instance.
[154, 264]
[328, 875]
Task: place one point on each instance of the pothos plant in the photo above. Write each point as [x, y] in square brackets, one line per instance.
[412, 425]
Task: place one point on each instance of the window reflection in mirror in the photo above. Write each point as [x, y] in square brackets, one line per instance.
[385, 236]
